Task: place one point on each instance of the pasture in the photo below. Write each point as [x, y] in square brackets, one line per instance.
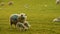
[40, 15]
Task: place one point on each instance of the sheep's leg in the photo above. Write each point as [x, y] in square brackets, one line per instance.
[15, 25]
[11, 24]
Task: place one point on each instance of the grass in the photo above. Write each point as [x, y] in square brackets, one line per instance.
[39, 16]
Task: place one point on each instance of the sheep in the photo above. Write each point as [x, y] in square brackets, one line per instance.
[23, 26]
[57, 1]
[10, 3]
[2, 4]
[56, 19]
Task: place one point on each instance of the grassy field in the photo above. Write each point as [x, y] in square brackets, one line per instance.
[40, 15]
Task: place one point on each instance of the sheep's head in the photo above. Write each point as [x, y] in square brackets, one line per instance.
[22, 17]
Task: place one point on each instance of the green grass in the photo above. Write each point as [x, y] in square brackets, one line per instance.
[39, 16]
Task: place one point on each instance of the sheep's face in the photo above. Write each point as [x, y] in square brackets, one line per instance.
[22, 17]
